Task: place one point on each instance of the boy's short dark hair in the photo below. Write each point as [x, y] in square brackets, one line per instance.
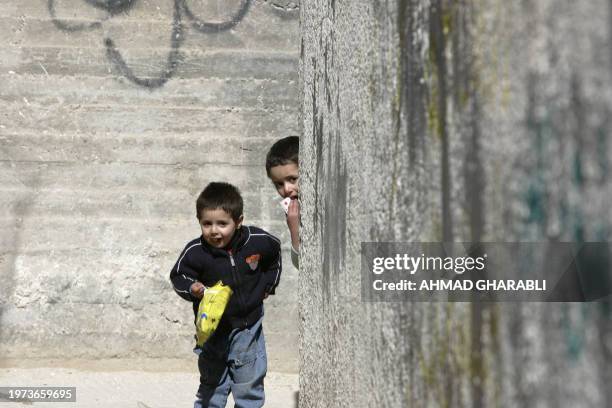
[284, 151]
[220, 195]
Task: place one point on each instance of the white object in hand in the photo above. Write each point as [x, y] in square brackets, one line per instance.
[285, 204]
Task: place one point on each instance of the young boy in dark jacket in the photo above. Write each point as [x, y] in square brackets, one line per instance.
[248, 260]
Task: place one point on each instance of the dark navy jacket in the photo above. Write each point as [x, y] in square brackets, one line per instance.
[250, 265]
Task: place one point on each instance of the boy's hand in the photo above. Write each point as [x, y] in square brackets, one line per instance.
[197, 289]
[293, 222]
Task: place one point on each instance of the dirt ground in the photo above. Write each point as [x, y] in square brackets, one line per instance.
[128, 383]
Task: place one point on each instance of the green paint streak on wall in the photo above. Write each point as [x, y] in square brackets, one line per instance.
[494, 351]
[434, 113]
[433, 116]
[450, 356]
[535, 194]
[564, 216]
[430, 76]
[397, 105]
[602, 154]
[574, 329]
[577, 169]
[447, 20]
[534, 198]
[436, 227]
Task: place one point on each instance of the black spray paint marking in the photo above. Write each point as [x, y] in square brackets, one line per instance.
[114, 7]
[111, 6]
[64, 26]
[207, 27]
[171, 64]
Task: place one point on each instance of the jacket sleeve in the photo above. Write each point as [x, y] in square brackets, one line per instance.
[184, 274]
[295, 257]
[274, 265]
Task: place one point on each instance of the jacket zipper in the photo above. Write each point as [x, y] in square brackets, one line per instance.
[235, 278]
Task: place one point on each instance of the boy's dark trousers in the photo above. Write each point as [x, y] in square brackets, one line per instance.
[233, 360]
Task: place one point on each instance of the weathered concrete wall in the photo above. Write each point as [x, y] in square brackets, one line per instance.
[114, 116]
[451, 121]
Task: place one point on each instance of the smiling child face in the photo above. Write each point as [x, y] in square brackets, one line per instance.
[218, 227]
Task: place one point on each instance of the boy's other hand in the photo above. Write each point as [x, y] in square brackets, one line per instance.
[293, 215]
[293, 222]
[197, 289]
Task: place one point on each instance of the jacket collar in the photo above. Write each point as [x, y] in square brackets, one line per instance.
[241, 236]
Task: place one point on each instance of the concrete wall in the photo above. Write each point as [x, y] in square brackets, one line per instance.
[114, 115]
[451, 121]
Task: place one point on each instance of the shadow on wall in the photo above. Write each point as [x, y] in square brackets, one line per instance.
[182, 13]
[21, 211]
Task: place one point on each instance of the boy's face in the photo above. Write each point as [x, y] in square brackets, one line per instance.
[285, 179]
[218, 227]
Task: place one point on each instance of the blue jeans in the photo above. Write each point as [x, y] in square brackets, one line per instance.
[236, 362]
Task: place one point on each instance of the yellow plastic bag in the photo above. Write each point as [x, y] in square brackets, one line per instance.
[211, 310]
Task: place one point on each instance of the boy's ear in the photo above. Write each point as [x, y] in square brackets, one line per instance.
[239, 223]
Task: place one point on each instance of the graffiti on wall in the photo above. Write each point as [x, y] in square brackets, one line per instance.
[182, 16]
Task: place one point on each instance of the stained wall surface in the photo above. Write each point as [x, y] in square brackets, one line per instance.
[114, 115]
[439, 121]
